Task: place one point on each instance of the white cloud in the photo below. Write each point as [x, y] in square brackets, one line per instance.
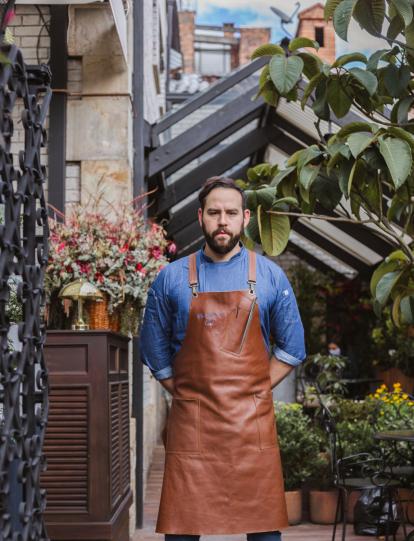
[261, 6]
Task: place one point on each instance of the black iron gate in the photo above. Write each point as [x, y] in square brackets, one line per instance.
[23, 258]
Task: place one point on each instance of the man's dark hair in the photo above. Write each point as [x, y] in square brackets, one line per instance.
[219, 182]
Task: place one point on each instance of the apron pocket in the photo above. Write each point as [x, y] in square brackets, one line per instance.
[266, 421]
[183, 433]
[238, 326]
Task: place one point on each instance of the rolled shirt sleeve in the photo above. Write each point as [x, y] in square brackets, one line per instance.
[286, 325]
[155, 335]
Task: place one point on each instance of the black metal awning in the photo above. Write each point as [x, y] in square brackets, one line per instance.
[223, 130]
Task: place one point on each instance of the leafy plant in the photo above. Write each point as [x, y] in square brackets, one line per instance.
[311, 289]
[299, 444]
[362, 163]
[392, 346]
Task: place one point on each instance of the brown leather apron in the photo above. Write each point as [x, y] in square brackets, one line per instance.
[222, 472]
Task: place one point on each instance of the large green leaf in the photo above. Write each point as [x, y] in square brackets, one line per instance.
[358, 142]
[312, 64]
[320, 105]
[404, 9]
[349, 57]
[395, 28]
[367, 79]
[285, 72]
[252, 229]
[274, 231]
[404, 106]
[398, 157]
[342, 17]
[385, 286]
[268, 49]
[338, 99]
[402, 134]
[358, 172]
[327, 191]
[281, 175]
[310, 87]
[308, 155]
[370, 15]
[375, 58]
[343, 171]
[354, 127]
[384, 268]
[409, 38]
[298, 43]
[307, 175]
[407, 310]
[266, 196]
[330, 7]
[396, 79]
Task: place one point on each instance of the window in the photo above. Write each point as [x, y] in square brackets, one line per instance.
[319, 35]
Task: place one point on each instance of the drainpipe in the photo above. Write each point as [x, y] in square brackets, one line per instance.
[138, 188]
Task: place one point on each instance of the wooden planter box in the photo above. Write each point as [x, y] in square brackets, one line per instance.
[87, 446]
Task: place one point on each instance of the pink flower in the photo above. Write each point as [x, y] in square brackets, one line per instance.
[172, 248]
[9, 16]
[99, 277]
[60, 246]
[156, 252]
[139, 266]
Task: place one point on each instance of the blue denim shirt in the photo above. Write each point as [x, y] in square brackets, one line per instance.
[169, 298]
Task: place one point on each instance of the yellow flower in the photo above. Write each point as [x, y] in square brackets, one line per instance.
[405, 396]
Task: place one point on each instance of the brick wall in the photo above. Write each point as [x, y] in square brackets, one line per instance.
[309, 20]
[31, 35]
[250, 39]
[30, 32]
[187, 29]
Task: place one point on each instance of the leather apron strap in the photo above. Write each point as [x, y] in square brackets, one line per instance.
[192, 273]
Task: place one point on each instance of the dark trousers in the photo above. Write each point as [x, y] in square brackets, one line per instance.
[259, 536]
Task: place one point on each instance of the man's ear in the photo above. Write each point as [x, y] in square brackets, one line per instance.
[200, 216]
[246, 218]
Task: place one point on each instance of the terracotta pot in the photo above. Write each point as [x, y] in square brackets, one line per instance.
[406, 496]
[322, 506]
[294, 506]
[352, 499]
[394, 375]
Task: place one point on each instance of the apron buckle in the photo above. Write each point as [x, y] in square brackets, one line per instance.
[194, 290]
[252, 285]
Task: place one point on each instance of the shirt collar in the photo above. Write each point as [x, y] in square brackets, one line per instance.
[208, 259]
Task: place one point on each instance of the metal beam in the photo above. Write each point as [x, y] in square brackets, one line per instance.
[213, 91]
[213, 141]
[218, 164]
[57, 111]
[170, 153]
[331, 248]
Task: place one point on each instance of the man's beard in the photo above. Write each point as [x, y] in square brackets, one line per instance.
[221, 248]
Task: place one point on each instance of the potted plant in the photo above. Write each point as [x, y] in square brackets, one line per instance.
[299, 449]
[119, 252]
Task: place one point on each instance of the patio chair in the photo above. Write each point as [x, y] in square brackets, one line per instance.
[356, 472]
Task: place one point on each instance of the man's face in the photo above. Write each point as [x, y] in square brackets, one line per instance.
[223, 219]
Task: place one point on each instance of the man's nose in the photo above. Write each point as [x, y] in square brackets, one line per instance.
[222, 218]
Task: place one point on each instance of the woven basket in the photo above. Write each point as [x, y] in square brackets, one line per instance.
[99, 316]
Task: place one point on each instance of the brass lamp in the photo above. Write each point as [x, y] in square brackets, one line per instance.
[80, 290]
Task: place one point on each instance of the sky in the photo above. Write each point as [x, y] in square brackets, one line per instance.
[258, 13]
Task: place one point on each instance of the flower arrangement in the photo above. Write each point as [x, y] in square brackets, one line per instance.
[120, 253]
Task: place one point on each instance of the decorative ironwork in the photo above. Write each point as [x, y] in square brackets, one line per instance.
[23, 258]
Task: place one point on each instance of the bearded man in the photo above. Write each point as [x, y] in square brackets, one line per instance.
[206, 338]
